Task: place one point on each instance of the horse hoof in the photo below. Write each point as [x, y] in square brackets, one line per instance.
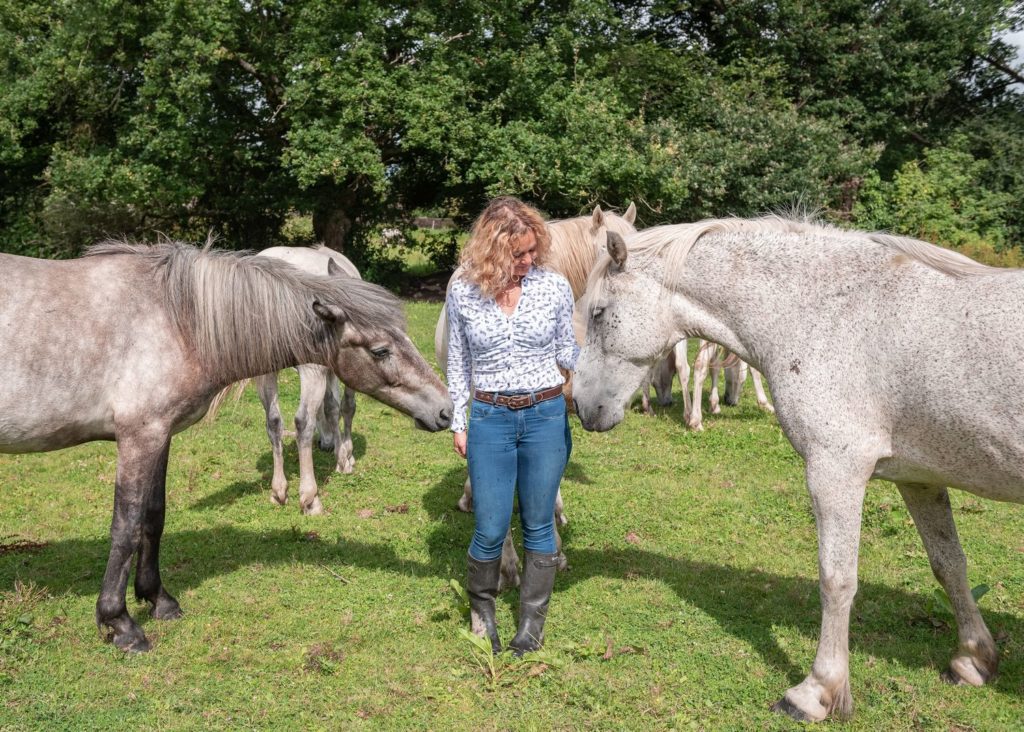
[314, 509]
[166, 608]
[464, 505]
[964, 672]
[134, 642]
[346, 466]
[278, 500]
[783, 706]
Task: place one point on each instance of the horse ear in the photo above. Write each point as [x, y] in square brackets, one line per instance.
[597, 218]
[333, 269]
[617, 249]
[329, 313]
[630, 215]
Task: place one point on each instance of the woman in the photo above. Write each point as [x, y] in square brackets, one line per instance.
[509, 329]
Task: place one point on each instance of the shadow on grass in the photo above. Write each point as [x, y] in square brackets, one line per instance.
[323, 468]
[748, 604]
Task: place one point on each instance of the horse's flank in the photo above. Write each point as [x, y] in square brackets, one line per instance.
[243, 314]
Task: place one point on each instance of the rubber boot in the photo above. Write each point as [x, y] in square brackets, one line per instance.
[482, 588]
[534, 593]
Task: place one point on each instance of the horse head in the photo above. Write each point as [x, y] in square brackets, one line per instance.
[617, 355]
[374, 355]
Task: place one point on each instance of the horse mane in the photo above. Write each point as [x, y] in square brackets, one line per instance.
[573, 251]
[241, 312]
[672, 243]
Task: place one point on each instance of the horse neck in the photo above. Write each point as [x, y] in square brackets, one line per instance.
[242, 325]
[721, 296]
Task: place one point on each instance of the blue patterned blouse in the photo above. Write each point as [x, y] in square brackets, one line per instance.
[492, 351]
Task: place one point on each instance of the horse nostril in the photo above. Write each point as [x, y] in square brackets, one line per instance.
[446, 415]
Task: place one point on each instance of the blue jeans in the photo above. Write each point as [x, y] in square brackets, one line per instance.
[509, 448]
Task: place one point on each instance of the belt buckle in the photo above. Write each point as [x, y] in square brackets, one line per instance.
[520, 401]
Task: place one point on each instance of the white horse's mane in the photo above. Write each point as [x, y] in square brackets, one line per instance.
[672, 244]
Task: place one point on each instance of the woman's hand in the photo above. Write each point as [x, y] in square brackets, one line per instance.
[459, 438]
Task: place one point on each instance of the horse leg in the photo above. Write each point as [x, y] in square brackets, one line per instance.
[977, 659]
[762, 398]
[346, 454]
[148, 585]
[509, 576]
[312, 386]
[664, 372]
[560, 517]
[735, 376]
[331, 438]
[837, 493]
[682, 363]
[713, 405]
[465, 503]
[701, 363]
[141, 466]
[645, 395]
[266, 387]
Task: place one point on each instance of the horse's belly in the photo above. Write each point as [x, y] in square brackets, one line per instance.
[995, 481]
[44, 439]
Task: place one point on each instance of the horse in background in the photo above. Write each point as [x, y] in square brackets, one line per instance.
[131, 343]
[576, 244]
[321, 403]
[709, 358]
[867, 341]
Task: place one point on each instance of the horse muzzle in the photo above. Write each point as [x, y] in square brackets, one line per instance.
[442, 420]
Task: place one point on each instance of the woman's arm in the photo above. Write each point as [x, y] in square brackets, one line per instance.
[566, 348]
[459, 368]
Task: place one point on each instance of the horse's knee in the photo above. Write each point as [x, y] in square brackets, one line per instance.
[838, 587]
[275, 425]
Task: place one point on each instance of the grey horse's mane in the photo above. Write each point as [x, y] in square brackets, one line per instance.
[673, 243]
[572, 247]
[240, 311]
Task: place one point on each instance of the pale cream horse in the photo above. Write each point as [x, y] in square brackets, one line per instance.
[576, 244]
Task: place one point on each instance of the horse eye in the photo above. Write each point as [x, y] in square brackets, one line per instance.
[382, 352]
[597, 312]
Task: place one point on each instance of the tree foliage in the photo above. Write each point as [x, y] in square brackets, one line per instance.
[123, 118]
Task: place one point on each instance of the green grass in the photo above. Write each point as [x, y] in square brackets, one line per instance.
[692, 601]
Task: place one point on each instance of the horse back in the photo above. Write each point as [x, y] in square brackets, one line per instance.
[87, 344]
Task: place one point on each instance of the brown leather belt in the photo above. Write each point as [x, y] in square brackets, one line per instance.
[517, 401]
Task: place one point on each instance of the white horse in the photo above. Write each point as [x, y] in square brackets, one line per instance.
[321, 403]
[576, 244]
[867, 341]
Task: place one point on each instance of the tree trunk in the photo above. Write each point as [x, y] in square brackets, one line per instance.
[331, 227]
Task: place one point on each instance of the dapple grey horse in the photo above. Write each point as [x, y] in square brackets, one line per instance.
[131, 343]
[867, 341]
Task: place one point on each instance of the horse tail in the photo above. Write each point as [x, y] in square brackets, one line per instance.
[222, 396]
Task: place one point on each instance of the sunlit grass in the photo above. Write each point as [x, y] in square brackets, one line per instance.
[691, 603]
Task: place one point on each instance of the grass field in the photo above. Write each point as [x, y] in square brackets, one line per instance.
[691, 603]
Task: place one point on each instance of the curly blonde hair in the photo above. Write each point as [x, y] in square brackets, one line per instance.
[487, 257]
